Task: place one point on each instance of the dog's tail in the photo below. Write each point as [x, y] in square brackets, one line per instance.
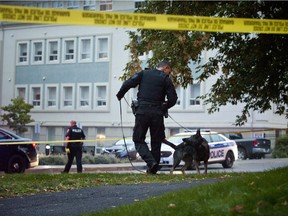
[169, 144]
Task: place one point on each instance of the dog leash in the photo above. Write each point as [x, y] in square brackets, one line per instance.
[177, 122]
[122, 129]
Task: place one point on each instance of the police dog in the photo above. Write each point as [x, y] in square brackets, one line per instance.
[192, 150]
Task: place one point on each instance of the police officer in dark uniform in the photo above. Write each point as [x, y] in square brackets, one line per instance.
[74, 149]
[154, 86]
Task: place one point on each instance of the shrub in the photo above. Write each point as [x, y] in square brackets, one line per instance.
[52, 160]
[281, 147]
[86, 159]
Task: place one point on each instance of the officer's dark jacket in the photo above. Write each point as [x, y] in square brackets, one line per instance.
[154, 87]
[75, 133]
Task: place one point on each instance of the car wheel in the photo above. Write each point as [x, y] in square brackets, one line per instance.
[16, 164]
[242, 154]
[229, 160]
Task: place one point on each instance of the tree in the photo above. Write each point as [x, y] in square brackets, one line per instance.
[254, 66]
[17, 115]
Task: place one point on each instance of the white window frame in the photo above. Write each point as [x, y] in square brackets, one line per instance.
[87, 52]
[63, 99]
[47, 100]
[65, 54]
[35, 55]
[81, 100]
[37, 103]
[17, 87]
[98, 51]
[20, 53]
[97, 99]
[49, 54]
[189, 97]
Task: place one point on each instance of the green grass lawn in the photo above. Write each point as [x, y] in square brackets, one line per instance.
[264, 193]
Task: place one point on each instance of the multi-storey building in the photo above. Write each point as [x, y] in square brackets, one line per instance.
[72, 72]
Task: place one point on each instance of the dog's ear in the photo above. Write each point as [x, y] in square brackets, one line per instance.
[185, 139]
[198, 133]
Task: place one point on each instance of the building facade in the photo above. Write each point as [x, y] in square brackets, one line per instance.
[72, 72]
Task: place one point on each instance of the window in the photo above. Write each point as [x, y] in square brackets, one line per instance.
[35, 96]
[73, 4]
[101, 96]
[84, 96]
[21, 92]
[51, 96]
[106, 5]
[37, 52]
[85, 50]
[216, 138]
[51, 133]
[67, 97]
[69, 50]
[23, 53]
[52, 51]
[57, 4]
[102, 48]
[194, 92]
[89, 5]
[139, 4]
[179, 103]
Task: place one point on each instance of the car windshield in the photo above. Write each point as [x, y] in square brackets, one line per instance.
[176, 139]
[121, 142]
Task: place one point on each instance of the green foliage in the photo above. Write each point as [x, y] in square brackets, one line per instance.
[249, 194]
[254, 66]
[281, 147]
[86, 159]
[17, 115]
[53, 160]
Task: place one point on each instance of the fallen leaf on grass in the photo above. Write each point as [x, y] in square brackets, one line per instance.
[237, 209]
[171, 205]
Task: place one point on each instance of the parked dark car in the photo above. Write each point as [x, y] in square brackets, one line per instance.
[254, 148]
[14, 157]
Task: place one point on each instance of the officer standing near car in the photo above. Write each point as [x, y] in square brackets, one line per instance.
[74, 149]
[154, 87]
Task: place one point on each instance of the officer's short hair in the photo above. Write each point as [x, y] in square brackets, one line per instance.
[163, 64]
[73, 122]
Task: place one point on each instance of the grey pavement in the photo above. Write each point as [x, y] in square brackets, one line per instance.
[93, 199]
[87, 200]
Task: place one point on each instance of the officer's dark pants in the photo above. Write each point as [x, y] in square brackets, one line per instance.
[75, 151]
[155, 123]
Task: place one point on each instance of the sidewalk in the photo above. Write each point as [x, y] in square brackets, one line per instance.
[87, 168]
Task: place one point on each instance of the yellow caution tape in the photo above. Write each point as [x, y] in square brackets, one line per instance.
[142, 21]
[109, 139]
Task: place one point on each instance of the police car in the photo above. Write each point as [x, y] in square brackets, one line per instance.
[222, 149]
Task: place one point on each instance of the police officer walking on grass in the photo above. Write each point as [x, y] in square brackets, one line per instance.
[74, 149]
[156, 94]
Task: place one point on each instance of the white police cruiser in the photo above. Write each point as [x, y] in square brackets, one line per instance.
[222, 149]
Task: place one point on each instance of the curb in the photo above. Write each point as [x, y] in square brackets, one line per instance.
[87, 168]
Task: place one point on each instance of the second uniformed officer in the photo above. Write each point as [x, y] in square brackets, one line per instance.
[154, 86]
[74, 149]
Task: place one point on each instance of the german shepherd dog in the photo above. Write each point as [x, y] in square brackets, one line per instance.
[192, 150]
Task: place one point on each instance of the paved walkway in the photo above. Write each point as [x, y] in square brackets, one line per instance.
[87, 200]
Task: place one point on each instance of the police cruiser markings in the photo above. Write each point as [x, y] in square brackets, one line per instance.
[223, 151]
